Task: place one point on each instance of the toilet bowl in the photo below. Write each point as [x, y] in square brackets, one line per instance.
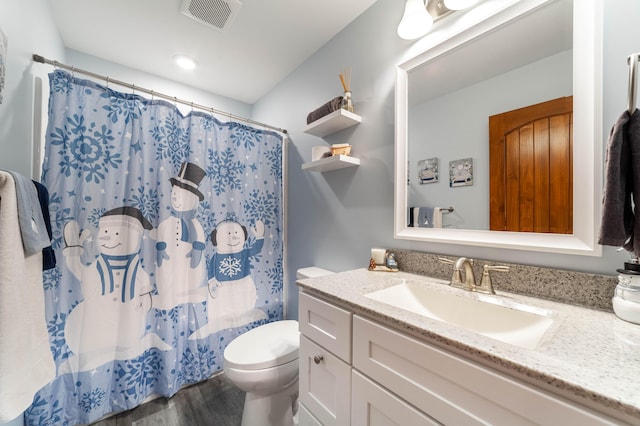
[263, 362]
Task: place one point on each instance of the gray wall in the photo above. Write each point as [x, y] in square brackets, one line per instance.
[29, 27]
[335, 218]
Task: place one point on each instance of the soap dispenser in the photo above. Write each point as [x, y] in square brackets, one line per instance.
[626, 299]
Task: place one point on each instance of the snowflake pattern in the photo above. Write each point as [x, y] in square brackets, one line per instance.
[230, 267]
[92, 399]
[263, 206]
[224, 171]
[85, 150]
[106, 149]
[146, 201]
[244, 136]
[173, 141]
[124, 105]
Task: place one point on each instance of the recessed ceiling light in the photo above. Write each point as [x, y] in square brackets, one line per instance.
[185, 62]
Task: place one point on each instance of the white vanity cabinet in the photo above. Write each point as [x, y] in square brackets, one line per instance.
[452, 389]
[386, 377]
[324, 362]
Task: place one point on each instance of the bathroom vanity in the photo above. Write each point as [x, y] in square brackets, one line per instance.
[366, 358]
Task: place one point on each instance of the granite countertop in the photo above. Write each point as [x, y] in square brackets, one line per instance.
[587, 355]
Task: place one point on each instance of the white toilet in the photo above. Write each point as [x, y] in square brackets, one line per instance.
[263, 362]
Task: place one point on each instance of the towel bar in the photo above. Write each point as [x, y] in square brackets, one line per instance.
[632, 60]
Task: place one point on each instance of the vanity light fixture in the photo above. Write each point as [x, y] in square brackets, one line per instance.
[416, 21]
[419, 15]
[185, 62]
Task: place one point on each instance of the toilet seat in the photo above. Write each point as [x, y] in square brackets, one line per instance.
[269, 345]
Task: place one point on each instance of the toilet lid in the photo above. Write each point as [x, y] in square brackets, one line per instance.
[266, 346]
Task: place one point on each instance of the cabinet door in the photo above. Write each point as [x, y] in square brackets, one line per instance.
[372, 405]
[326, 324]
[325, 384]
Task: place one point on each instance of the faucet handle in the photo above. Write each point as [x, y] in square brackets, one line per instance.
[447, 261]
[486, 285]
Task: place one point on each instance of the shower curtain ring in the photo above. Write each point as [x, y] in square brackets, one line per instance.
[107, 82]
[133, 89]
[73, 71]
[152, 95]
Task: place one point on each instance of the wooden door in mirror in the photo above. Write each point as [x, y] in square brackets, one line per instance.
[531, 168]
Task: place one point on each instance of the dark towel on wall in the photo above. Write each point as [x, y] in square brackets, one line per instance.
[620, 225]
[48, 255]
[326, 109]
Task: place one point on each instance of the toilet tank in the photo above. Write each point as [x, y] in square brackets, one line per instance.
[311, 272]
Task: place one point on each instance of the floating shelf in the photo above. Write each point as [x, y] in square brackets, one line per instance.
[331, 163]
[337, 120]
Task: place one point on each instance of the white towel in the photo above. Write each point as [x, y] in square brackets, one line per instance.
[437, 217]
[26, 362]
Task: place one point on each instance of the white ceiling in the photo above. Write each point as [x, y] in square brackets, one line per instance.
[265, 42]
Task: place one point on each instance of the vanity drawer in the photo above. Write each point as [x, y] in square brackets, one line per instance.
[326, 324]
[325, 384]
[373, 405]
[452, 389]
[305, 418]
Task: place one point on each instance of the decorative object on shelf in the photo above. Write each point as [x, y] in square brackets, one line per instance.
[461, 172]
[340, 149]
[428, 170]
[325, 109]
[345, 79]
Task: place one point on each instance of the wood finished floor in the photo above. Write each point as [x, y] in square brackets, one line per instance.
[214, 402]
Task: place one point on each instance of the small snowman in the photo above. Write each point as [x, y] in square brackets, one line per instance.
[232, 291]
[180, 274]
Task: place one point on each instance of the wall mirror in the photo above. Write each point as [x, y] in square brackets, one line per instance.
[501, 56]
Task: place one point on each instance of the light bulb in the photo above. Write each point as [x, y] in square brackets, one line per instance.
[185, 62]
[459, 4]
[415, 22]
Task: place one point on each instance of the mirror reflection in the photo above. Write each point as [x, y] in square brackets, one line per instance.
[454, 179]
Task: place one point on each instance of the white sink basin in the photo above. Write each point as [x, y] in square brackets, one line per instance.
[491, 316]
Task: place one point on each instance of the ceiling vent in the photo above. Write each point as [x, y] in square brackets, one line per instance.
[218, 14]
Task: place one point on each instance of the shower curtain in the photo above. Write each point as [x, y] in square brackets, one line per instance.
[168, 231]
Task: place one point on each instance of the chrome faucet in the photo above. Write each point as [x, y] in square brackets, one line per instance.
[469, 282]
[463, 276]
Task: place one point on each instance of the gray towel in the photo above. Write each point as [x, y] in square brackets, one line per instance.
[423, 217]
[620, 224]
[326, 109]
[32, 227]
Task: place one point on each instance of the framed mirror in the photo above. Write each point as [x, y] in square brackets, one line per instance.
[481, 58]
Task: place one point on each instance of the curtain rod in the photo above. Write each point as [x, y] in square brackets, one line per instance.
[43, 60]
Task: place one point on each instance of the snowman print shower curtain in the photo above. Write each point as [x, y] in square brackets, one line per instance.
[168, 233]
